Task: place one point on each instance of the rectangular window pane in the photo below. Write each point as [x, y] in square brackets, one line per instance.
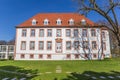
[93, 33]
[41, 32]
[68, 32]
[33, 32]
[58, 32]
[3, 48]
[85, 44]
[11, 48]
[41, 45]
[23, 45]
[49, 32]
[94, 46]
[84, 32]
[104, 46]
[32, 45]
[24, 32]
[103, 34]
[0, 48]
[49, 45]
[76, 44]
[68, 45]
[75, 32]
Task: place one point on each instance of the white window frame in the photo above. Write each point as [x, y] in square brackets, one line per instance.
[46, 22]
[23, 45]
[41, 32]
[59, 33]
[32, 46]
[34, 22]
[71, 22]
[59, 22]
[49, 34]
[41, 47]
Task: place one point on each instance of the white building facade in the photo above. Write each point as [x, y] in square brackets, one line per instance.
[6, 51]
[59, 36]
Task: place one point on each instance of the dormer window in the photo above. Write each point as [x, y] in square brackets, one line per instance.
[46, 22]
[83, 22]
[59, 22]
[34, 22]
[71, 22]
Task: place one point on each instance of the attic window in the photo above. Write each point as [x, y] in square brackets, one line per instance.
[46, 22]
[83, 22]
[59, 22]
[34, 22]
[71, 22]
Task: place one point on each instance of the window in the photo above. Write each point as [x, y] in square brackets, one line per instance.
[49, 45]
[49, 56]
[46, 22]
[68, 56]
[0, 48]
[32, 32]
[94, 55]
[24, 32]
[76, 56]
[41, 33]
[49, 32]
[41, 45]
[59, 21]
[58, 32]
[86, 55]
[22, 56]
[85, 44]
[76, 44]
[10, 48]
[83, 22]
[3, 48]
[75, 32]
[93, 32]
[103, 34]
[84, 32]
[94, 45]
[32, 45]
[104, 46]
[68, 45]
[31, 56]
[23, 45]
[34, 22]
[40, 56]
[68, 32]
[71, 22]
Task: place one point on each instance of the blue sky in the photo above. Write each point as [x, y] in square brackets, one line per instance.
[14, 12]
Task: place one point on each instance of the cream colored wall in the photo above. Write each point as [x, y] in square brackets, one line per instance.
[64, 51]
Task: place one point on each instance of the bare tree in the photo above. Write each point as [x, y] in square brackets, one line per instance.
[107, 9]
[113, 41]
[83, 47]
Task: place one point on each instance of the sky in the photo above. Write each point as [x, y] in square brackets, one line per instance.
[14, 12]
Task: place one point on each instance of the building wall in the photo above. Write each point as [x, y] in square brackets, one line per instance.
[59, 56]
[6, 52]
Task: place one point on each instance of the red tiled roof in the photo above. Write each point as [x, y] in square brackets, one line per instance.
[52, 17]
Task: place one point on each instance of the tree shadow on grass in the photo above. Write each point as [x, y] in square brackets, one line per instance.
[90, 74]
[17, 72]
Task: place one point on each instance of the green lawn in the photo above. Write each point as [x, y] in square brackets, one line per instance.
[38, 69]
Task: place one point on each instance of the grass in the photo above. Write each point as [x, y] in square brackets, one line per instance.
[78, 68]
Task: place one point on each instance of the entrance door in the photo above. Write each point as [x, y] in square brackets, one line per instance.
[58, 47]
